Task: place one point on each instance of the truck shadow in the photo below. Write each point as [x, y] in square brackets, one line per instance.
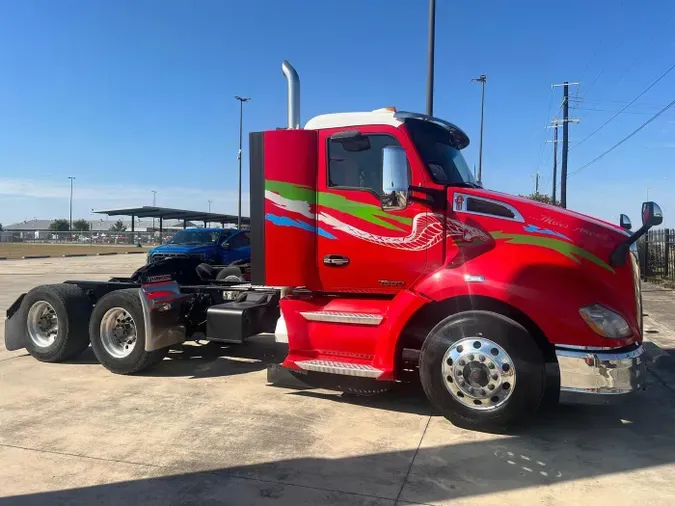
[572, 443]
[215, 359]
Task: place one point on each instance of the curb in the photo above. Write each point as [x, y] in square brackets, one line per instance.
[135, 252]
[3, 258]
[70, 255]
[106, 254]
[30, 257]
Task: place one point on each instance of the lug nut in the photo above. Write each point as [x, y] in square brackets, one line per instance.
[491, 365]
[461, 362]
[491, 386]
[495, 377]
[460, 348]
[481, 358]
[470, 357]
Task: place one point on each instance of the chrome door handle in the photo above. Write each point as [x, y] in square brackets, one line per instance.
[335, 261]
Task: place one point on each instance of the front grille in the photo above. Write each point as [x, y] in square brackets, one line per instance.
[163, 256]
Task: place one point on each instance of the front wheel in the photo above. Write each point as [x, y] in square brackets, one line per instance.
[482, 370]
[117, 333]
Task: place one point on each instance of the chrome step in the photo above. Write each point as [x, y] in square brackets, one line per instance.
[342, 317]
[344, 368]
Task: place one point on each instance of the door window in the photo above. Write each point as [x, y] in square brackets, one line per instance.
[356, 162]
[240, 241]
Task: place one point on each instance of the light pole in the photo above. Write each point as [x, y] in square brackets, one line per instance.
[430, 57]
[70, 221]
[154, 198]
[482, 79]
[241, 122]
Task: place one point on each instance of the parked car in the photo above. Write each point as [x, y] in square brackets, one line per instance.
[216, 246]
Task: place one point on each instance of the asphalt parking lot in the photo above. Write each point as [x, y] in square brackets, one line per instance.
[204, 428]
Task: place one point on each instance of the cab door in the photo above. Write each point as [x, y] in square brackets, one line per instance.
[361, 246]
[236, 247]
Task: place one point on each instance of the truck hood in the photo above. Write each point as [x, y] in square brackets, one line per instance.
[526, 221]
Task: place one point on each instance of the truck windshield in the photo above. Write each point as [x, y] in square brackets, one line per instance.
[195, 237]
[445, 162]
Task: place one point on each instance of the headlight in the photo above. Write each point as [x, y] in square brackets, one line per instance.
[605, 322]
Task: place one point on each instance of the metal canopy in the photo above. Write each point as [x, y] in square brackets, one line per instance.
[167, 213]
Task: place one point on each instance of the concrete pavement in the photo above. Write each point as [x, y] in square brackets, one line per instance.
[204, 428]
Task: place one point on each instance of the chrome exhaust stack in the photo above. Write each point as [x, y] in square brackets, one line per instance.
[293, 95]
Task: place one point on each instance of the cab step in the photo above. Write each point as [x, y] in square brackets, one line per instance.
[342, 368]
[343, 317]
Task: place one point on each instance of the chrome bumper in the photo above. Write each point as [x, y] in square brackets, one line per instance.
[602, 372]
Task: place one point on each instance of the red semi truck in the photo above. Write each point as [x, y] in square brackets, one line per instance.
[374, 251]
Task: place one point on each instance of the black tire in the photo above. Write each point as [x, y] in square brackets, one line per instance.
[530, 371]
[228, 271]
[138, 359]
[72, 308]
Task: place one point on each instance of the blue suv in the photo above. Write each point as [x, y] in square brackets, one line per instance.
[216, 246]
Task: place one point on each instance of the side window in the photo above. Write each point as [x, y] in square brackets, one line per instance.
[240, 240]
[356, 162]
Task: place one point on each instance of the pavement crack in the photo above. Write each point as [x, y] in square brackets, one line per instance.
[68, 454]
[412, 462]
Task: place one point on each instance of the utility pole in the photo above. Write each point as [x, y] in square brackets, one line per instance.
[482, 79]
[555, 162]
[536, 182]
[430, 57]
[565, 139]
[555, 124]
[241, 123]
[70, 226]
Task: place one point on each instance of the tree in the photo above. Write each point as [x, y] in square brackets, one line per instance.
[118, 227]
[541, 197]
[59, 225]
[81, 225]
[0, 227]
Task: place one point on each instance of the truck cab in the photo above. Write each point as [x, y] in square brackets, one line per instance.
[402, 256]
[217, 246]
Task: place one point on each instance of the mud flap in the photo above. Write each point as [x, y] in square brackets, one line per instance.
[164, 309]
[15, 327]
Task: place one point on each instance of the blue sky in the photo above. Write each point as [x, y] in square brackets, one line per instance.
[132, 96]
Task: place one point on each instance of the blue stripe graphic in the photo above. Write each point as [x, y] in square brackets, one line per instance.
[285, 221]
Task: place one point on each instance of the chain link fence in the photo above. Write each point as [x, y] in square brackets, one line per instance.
[107, 238]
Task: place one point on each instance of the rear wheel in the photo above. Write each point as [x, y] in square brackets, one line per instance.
[482, 370]
[56, 318]
[117, 333]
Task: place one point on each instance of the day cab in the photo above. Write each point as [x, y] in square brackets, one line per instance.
[394, 256]
[217, 246]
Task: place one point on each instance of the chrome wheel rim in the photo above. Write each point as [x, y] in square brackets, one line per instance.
[118, 332]
[43, 324]
[479, 373]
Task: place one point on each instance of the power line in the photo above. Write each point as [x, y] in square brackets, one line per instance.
[624, 108]
[641, 113]
[624, 139]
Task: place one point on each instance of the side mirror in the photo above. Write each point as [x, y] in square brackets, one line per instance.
[651, 214]
[651, 217]
[624, 222]
[395, 182]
